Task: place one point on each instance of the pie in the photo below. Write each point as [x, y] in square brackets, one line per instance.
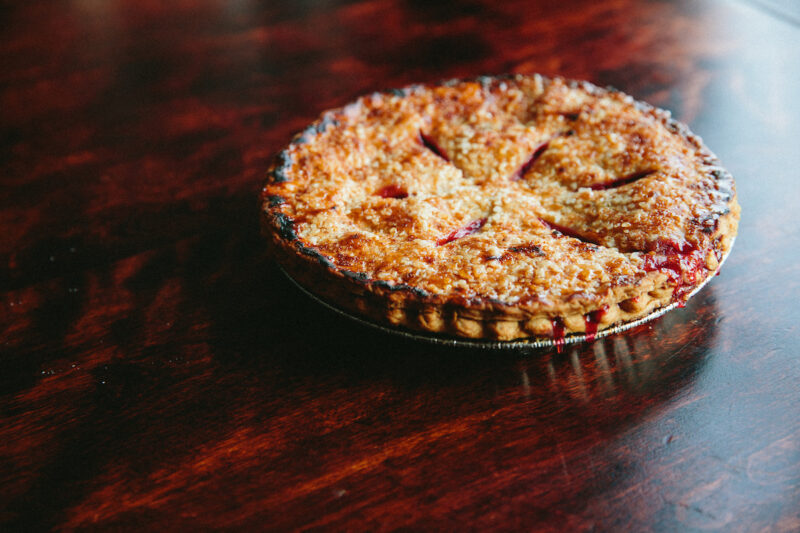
[499, 208]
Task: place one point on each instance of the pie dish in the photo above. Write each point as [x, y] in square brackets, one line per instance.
[499, 208]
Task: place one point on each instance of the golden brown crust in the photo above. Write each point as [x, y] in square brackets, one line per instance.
[499, 208]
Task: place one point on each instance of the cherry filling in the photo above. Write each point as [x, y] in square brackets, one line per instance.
[392, 191]
[566, 231]
[558, 333]
[432, 145]
[469, 229]
[592, 320]
[519, 174]
[630, 178]
[682, 262]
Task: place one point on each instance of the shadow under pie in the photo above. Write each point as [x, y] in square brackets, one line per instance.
[652, 361]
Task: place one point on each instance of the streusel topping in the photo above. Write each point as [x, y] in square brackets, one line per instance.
[522, 190]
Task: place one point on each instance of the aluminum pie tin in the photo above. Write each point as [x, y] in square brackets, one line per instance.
[517, 344]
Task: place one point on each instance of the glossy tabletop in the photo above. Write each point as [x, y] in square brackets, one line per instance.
[158, 372]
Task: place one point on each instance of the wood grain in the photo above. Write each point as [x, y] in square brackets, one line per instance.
[158, 372]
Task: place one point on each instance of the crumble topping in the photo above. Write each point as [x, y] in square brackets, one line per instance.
[522, 190]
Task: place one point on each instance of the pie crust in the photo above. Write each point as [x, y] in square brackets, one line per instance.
[499, 208]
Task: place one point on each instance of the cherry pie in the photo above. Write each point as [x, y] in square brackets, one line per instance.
[499, 208]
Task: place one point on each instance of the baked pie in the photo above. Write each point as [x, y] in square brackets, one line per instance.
[499, 208]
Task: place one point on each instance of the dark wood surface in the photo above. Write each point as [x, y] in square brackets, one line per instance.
[157, 372]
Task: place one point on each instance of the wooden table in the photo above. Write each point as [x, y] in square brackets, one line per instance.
[158, 372]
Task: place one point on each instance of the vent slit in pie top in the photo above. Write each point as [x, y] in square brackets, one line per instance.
[499, 208]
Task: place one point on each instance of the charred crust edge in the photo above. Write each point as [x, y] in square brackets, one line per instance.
[357, 276]
[275, 201]
[315, 128]
[406, 288]
[283, 162]
[724, 181]
[285, 227]
[314, 254]
[400, 93]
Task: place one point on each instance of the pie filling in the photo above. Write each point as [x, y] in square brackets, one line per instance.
[500, 208]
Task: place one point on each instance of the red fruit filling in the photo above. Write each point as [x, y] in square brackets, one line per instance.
[432, 145]
[392, 191]
[592, 320]
[630, 178]
[469, 229]
[682, 262]
[558, 333]
[566, 231]
[519, 174]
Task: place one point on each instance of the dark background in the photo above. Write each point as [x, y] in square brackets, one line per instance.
[158, 372]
